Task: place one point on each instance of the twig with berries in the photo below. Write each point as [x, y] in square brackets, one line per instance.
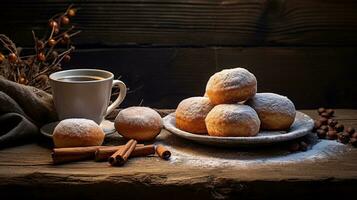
[34, 69]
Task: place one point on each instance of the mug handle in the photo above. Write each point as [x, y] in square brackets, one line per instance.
[120, 98]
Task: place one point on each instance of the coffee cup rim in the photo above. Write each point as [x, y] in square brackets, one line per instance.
[53, 75]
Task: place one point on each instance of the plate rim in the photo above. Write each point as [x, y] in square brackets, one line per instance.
[256, 140]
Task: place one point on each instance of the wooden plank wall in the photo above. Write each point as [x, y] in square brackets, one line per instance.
[166, 50]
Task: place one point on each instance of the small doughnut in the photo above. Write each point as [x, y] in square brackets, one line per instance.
[77, 132]
[191, 114]
[139, 123]
[276, 112]
[231, 86]
[232, 120]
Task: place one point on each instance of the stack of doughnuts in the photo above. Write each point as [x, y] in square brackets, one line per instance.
[231, 107]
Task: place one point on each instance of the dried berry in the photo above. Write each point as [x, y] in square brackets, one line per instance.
[54, 55]
[331, 135]
[64, 20]
[66, 37]
[40, 44]
[321, 133]
[321, 110]
[66, 58]
[303, 146]
[339, 127]
[353, 142]
[332, 122]
[344, 137]
[56, 30]
[41, 57]
[2, 58]
[53, 24]
[23, 80]
[52, 42]
[350, 130]
[12, 57]
[71, 12]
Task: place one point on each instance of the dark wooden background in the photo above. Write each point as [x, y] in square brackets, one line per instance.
[165, 50]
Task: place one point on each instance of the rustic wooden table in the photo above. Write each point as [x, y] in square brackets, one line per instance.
[26, 172]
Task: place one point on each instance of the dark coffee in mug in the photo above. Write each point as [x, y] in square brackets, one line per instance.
[80, 78]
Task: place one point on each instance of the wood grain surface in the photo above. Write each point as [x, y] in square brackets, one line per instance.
[162, 77]
[192, 22]
[26, 172]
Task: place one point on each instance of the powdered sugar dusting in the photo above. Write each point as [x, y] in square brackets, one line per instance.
[273, 103]
[231, 78]
[234, 113]
[139, 116]
[321, 150]
[76, 127]
[194, 107]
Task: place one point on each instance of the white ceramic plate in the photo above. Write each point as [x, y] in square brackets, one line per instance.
[106, 125]
[302, 125]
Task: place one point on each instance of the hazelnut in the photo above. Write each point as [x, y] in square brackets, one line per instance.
[339, 127]
[350, 130]
[324, 127]
[354, 135]
[317, 124]
[293, 147]
[325, 114]
[330, 112]
[353, 142]
[321, 110]
[321, 133]
[344, 137]
[303, 146]
[331, 135]
[332, 122]
[323, 120]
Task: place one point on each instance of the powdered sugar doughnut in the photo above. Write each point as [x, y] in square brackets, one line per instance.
[276, 112]
[231, 86]
[191, 114]
[139, 123]
[232, 120]
[77, 132]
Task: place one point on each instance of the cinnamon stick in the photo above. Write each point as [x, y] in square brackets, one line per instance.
[70, 154]
[102, 154]
[162, 152]
[122, 155]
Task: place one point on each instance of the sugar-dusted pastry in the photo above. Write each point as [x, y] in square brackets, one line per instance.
[139, 123]
[276, 112]
[191, 114]
[77, 132]
[231, 86]
[232, 120]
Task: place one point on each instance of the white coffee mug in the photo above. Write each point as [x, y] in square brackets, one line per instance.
[85, 93]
